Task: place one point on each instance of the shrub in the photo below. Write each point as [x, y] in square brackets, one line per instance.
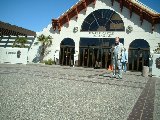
[48, 62]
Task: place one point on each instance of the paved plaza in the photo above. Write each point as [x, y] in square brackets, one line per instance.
[41, 92]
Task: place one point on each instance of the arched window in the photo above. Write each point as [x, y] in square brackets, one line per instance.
[68, 42]
[139, 43]
[103, 20]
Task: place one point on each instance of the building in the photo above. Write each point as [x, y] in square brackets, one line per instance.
[85, 33]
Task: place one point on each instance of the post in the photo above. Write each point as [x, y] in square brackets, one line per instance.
[145, 71]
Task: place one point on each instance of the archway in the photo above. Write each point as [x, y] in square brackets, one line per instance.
[93, 50]
[138, 55]
[67, 50]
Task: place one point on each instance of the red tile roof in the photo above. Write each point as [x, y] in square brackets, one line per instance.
[132, 5]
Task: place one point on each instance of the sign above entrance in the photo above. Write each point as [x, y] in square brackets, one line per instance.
[101, 33]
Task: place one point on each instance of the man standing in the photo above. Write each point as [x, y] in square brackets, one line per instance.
[116, 59]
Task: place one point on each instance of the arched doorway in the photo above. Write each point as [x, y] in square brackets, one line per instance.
[93, 50]
[138, 55]
[67, 50]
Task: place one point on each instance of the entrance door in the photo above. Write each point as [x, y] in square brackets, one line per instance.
[88, 56]
[95, 51]
[67, 55]
[138, 55]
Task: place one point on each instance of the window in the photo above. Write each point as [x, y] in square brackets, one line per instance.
[68, 41]
[103, 20]
[139, 43]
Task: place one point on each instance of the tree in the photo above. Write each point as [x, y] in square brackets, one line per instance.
[45, 41]
[20, 42]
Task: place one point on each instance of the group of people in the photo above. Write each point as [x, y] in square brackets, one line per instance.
[119, 58]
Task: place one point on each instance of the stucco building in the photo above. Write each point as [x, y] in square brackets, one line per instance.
[86, 32]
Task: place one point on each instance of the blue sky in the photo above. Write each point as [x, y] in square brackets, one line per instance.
[37, 14]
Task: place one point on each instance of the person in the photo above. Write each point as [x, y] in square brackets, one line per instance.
[124, 59]
[116, 58]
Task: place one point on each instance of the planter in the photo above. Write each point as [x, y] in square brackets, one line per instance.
[145, 71]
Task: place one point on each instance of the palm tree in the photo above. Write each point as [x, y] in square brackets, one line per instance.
[45, 41]
[20, 42]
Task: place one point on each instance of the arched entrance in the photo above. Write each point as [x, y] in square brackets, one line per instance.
[93, 50]
[67, 50]
[138, 55]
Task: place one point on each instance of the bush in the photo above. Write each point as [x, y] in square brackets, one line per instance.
[49, 62]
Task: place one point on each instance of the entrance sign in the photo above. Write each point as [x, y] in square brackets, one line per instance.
[104, 34]
[13, 55]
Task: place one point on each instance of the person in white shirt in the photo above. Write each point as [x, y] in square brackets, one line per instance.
[116, 58]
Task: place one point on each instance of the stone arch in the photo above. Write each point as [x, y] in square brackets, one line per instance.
[138, 54]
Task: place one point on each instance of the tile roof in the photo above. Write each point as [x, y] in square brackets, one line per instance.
[7, 29]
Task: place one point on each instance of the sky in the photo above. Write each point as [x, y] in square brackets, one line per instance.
[37, 14]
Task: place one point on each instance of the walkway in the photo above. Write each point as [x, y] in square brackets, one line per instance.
[67, 93]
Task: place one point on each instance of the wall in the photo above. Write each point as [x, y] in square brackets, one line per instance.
[9, 55]
[7, 42]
